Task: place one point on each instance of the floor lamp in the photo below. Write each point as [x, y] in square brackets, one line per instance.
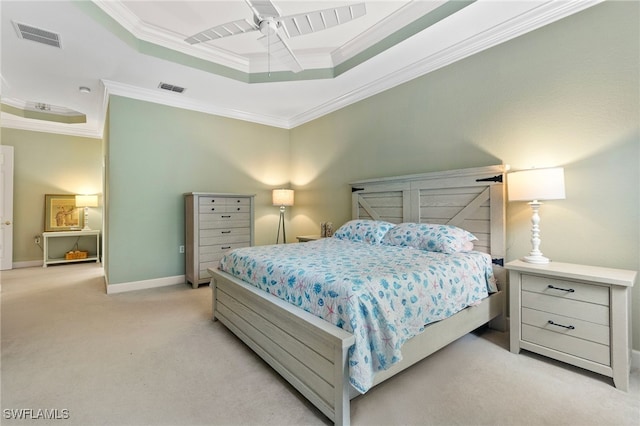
[534, 185]
[284, 199]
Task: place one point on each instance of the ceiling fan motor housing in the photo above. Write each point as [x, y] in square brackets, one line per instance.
[268, 26]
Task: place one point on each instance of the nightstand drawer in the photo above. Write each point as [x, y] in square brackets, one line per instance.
[567, 326]
[568, 308]
[570, 345]
[566, 289]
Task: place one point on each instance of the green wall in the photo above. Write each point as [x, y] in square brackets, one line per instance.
[156, 154]
[566, 95]
[47, 163]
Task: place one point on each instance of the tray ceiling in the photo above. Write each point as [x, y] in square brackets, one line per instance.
[137, 49]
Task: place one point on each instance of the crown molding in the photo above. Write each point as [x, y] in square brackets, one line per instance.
[13, 122]
[154, 96]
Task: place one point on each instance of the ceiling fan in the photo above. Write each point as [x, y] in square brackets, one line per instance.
[276, 28]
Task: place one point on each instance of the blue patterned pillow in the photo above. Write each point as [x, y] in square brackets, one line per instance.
[363, 230]
[430, 237]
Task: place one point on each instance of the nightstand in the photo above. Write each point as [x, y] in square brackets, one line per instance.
[573, 313]
[305, 238]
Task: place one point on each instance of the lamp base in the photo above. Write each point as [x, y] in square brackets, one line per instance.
[535, 255]
[86, 219]
[536, 259]
[281, 225]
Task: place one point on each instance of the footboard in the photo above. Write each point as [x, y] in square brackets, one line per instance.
[307, 351]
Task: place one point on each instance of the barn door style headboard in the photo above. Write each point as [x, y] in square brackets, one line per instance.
[472, 199]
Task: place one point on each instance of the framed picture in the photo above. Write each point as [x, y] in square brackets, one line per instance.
[61, 213]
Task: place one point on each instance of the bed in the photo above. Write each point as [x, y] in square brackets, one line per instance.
[316, 355]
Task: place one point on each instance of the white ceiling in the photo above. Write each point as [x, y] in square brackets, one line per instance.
[128, 47]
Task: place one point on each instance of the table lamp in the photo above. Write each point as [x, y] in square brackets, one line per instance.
[534, 185]
[86, 201]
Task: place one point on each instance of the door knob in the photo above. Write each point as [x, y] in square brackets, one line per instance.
[8, 222]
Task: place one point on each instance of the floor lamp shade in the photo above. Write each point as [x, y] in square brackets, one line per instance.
[282, 198]
[86, 201]
[534, 185]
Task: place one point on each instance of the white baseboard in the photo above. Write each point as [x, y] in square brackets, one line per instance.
[27, 264]
[143, 285]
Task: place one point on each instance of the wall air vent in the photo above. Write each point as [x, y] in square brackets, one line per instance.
[39, 35]
[171, 87]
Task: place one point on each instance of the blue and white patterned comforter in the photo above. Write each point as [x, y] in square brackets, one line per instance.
[384, 295]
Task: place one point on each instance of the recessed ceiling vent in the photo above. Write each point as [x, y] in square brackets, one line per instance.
[171, 87]
[39, 35]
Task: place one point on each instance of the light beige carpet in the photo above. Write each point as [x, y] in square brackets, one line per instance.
[154, 357]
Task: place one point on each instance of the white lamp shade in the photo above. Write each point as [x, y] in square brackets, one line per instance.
[536, 184]
[86, 201]
[282, 197]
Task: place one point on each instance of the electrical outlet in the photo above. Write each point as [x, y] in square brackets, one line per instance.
[181, 249]
[36, 240]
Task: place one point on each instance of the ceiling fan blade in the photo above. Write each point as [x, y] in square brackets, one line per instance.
[231, 28]
[310, 22]
[263, 9]
[280, 51]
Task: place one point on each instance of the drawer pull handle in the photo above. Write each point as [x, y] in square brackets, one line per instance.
[226, 247]
[225, 232]
[213, 209]
[569, 290]
[569, 327]
[227, 216]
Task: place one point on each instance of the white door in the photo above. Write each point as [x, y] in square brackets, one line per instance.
[6, 207]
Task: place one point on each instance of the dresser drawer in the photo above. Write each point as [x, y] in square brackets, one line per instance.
[566, 289]
[567, 344]
[203, 273]
[585, 311]
[568, 326]
[224, 220]
[210, 256]
[223, 232]
[215, 252]
[210, 201]
[225, 239]
[223, 208]
[224, 205]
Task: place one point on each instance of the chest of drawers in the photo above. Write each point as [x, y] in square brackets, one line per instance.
[214, 223]
[573, 313]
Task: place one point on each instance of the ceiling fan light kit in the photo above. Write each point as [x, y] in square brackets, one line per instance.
[276, 29]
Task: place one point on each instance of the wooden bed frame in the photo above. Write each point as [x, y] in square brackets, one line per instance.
[311, 353]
